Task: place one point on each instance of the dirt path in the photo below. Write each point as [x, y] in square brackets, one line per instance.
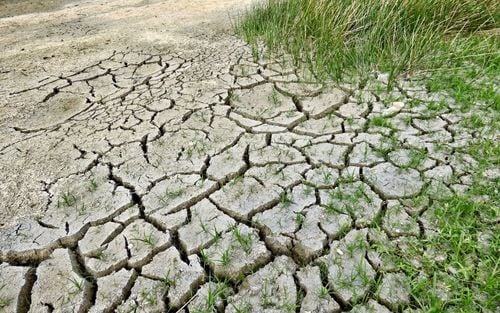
[148, 163]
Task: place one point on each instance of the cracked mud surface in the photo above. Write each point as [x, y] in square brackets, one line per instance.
[140, 177]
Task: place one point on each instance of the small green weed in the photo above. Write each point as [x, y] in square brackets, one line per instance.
[225, 259]
[244, 240]
[67, 199]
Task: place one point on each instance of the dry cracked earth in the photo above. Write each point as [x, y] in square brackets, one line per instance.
[193, 178]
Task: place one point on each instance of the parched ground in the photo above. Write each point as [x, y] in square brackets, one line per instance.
[148, 163]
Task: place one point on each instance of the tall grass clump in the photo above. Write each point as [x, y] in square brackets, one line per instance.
[335, 37]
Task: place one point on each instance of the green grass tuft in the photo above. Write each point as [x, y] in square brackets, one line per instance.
[356, 37]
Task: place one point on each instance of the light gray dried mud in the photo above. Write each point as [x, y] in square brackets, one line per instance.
[149, 163]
